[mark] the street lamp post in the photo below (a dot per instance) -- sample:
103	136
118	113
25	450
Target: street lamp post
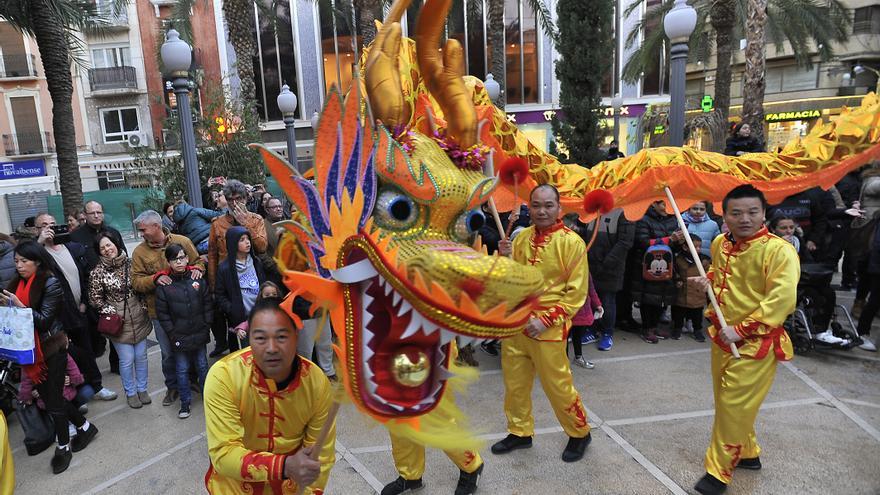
616	103
678	24
287	105
176	56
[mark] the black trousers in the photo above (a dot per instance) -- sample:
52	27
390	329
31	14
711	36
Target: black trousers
219	330
650	316
680	314
577	332
52	393
869	311
80	349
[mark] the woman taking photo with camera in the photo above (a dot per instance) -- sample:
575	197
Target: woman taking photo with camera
35	286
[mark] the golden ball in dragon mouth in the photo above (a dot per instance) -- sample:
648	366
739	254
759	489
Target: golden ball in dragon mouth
407	372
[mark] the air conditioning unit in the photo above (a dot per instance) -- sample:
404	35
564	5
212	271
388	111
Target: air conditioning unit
139	139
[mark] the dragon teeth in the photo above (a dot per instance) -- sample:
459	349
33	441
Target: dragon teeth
387	286
396	298
404	308
466	341
415	323
446	336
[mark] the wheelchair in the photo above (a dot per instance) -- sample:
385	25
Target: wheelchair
815	322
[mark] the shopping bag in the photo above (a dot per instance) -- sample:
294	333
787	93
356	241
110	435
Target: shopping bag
17	334
39	430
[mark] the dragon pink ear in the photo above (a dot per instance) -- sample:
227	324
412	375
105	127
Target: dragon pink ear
598	201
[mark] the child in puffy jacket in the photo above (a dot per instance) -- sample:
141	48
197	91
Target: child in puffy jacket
589	312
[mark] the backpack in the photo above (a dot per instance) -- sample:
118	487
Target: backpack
658	262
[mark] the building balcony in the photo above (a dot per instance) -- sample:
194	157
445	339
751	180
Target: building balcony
113	80
18	66
111	18
28	143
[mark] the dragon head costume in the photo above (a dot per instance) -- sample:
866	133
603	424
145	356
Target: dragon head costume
387	225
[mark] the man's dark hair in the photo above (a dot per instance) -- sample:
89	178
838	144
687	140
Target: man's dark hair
173	251
546	186
269	304
744	191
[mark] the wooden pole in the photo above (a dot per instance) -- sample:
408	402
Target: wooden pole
696	255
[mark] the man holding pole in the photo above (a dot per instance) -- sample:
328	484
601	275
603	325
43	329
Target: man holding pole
754	277
269	414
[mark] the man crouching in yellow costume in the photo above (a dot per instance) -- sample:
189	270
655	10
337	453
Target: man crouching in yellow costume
561	256
754	275
264	410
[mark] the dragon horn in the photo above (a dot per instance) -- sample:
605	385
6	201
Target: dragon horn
382	76
443	75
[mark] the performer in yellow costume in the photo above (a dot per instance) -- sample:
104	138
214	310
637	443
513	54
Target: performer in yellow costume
754	275
561	256
7	469
409	459
264	410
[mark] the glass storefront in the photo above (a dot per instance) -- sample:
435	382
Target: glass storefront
781	133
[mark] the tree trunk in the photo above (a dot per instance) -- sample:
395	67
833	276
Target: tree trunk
723	18
753	89
54	51
239	16
367	10
495	13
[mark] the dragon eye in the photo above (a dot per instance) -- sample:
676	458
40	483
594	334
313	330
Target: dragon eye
396	210
468	223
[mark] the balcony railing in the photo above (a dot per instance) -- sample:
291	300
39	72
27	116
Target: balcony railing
18	65
113	78
111	16
28	143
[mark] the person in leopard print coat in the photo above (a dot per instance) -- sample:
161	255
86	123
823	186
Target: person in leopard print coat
110	292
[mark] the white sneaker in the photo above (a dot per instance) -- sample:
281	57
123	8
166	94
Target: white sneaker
828	337
71	430
583	363
105	394
867	344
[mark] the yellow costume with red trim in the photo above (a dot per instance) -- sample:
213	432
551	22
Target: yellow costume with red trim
755	281
560	255
409	458
252	426
7	468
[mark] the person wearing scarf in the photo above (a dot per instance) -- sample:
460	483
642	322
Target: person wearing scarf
110	293
35	286
698	222
238	283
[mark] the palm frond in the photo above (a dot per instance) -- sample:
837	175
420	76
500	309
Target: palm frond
545	18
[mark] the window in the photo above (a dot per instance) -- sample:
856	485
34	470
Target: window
796	78
111	179
656	78
117	56
866	20
336	44
119	123
275	60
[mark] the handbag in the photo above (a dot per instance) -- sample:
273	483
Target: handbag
38	427
17	334
111	325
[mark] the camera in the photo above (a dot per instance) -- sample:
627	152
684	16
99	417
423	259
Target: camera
62	234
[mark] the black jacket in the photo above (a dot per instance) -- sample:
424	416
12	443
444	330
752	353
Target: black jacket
185	311
46	298
7	263
608	254
809	210
649	227
744	144
227	291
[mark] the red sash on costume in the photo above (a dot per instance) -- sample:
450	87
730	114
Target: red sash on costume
768	339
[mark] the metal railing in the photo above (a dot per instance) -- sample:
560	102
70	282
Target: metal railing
113	78
28	143
18	65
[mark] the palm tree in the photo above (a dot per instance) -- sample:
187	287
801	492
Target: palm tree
754	83
54	24
809	27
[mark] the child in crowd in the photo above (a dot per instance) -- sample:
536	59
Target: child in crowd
268	290
185	311
591	311
27	391
238	284
690	299
787	228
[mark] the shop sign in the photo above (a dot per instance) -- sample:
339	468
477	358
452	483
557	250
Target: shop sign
801	115
22	169
545	116
707	103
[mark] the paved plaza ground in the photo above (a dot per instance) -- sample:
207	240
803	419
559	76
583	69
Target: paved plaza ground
650	407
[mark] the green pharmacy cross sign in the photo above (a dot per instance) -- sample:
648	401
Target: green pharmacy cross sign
707	103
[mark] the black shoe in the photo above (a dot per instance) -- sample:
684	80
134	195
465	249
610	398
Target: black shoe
170	397
576	447
753	463
490	347
218	351
510	443
698	336
83	438
61	460
401	485
467	482
710	485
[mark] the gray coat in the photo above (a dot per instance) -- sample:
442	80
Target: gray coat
7	263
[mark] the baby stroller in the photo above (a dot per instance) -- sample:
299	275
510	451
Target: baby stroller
814	323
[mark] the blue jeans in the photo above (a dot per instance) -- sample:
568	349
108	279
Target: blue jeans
182	360
133	366
609	303
168	367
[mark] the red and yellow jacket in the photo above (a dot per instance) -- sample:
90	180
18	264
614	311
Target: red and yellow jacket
252	426
755	281
561	256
